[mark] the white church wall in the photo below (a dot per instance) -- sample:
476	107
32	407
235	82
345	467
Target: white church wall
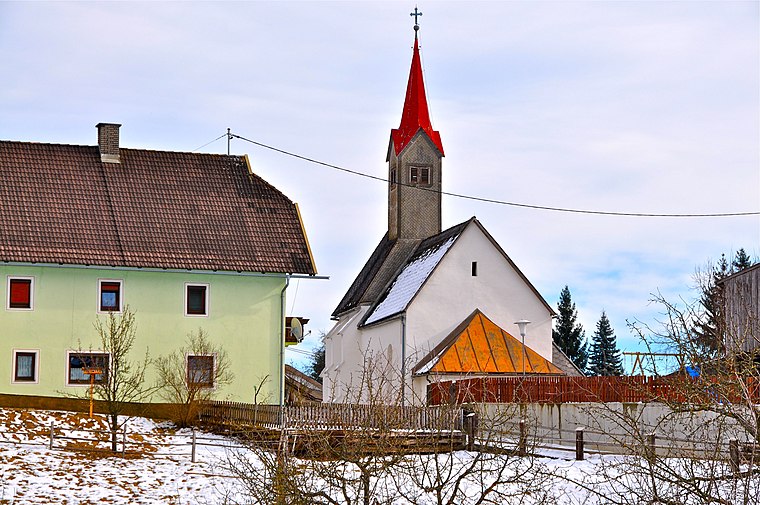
452	293
347	350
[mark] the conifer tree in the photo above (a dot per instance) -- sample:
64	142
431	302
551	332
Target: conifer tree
708	330
317	363
568	334
604	358
741	260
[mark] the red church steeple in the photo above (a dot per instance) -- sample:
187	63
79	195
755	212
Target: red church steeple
415	115
414	160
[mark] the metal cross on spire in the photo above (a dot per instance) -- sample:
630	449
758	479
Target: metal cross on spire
416	14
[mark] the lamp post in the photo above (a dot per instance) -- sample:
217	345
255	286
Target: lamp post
521	324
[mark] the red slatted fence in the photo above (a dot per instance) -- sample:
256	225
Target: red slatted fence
593	389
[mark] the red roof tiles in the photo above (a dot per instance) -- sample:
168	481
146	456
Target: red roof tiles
61	204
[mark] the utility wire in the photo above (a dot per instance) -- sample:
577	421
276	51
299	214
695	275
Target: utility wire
490	200
207	143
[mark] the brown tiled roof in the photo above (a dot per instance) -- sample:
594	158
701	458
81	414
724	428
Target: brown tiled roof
155	209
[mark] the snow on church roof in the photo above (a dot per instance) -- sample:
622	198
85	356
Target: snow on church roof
409	281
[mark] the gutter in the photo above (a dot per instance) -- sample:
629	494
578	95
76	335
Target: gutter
403	359
237	273
281	341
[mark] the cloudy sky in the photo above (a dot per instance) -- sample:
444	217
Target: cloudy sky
640	107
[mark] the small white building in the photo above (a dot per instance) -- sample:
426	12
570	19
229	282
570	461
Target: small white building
414	301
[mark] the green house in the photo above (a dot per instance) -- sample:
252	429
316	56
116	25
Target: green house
186	240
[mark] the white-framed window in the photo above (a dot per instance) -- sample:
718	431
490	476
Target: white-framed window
26	366
196	300
20	293
200	370
110	295
81	364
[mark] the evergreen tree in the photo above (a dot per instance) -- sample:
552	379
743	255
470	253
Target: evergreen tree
568	334
708	330
604	358
317	361
741	260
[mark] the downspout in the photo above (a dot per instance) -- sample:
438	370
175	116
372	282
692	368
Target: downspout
403	359
282	340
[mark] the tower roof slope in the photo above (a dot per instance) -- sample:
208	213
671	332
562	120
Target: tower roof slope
415	115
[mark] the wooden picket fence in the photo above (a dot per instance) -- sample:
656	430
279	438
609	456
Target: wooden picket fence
590	389
327	416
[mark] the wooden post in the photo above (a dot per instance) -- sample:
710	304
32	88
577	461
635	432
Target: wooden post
733	454
192	454
123	440
52	435
579	443
651	447
469	423
522	444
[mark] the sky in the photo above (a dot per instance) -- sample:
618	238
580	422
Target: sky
636	107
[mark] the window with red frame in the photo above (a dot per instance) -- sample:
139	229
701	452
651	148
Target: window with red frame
110	296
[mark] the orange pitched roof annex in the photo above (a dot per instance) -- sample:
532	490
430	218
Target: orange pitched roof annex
479	346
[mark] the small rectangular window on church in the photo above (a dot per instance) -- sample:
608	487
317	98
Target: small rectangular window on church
474	268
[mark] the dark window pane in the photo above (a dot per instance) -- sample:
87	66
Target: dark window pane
200	370
196	299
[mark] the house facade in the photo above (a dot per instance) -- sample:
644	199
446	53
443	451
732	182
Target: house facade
186	241
741	298
405	309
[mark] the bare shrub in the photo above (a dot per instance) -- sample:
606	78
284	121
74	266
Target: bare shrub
192	375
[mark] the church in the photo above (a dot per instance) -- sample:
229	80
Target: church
432	304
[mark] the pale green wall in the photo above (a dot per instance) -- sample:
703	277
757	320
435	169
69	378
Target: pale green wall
244	317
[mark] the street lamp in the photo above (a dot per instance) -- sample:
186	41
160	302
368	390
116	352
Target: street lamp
522	323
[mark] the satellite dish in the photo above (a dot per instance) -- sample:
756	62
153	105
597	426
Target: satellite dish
296	329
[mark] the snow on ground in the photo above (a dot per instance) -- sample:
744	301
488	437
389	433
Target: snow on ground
32	473
162	471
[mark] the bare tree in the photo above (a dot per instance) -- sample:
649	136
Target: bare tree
192	375
122	380
678	448
370	453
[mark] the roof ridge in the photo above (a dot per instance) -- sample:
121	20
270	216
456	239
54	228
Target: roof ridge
87	146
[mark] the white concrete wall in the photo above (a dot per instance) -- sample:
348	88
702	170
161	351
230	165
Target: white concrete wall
350	352
610	427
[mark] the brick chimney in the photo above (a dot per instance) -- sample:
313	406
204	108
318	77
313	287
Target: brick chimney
108	142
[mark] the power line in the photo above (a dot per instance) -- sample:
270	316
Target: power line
491	200
207	143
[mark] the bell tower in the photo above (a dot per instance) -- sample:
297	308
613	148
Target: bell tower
414	159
